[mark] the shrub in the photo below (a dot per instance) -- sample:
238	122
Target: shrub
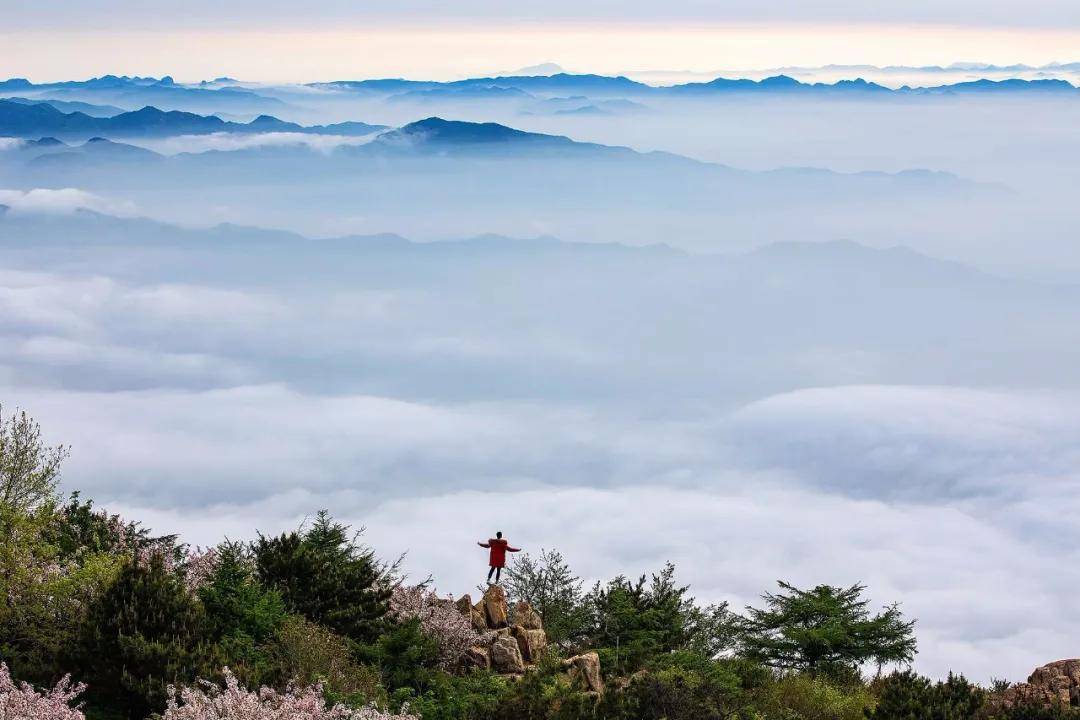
22	702
474	696
407	658
208	701
1029	711
545	695
905	695
304	653
806	697
439	618
676	693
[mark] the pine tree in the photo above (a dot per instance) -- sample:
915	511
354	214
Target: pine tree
907	696
825	629
637	621
145	633
326	576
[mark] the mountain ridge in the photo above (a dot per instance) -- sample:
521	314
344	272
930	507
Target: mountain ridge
18	119
599	85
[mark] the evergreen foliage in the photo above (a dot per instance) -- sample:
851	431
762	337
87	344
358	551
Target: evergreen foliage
323	574
145	633
907	696
826	629
633	621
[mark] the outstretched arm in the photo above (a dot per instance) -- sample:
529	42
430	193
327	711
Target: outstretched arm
510	549
483	545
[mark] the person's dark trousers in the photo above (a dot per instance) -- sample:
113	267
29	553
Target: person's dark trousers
497	571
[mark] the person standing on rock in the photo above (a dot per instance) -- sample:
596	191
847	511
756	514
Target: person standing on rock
497	556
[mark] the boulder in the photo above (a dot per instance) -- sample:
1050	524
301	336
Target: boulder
477	656
464	605
1056	683
506	656
526	617
584	670
495	608
532	642
479	619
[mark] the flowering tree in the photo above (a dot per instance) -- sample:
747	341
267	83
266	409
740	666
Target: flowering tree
439	618
21	702
198	567
233	702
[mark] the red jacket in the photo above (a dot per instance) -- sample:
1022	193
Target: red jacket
499	548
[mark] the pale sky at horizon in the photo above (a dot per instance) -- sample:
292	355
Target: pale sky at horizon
272	41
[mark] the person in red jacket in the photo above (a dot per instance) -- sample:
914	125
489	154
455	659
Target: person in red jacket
497	556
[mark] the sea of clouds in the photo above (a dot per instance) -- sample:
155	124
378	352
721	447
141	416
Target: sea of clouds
191	406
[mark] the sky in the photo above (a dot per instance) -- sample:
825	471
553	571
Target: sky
286	42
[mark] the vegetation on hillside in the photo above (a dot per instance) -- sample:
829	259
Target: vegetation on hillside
100	619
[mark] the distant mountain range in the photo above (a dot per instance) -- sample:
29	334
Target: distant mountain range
435	138
951	68
135	92
21	118
503	87
618	86
69	106
441	135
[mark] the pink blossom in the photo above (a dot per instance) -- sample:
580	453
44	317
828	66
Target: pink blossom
439	618
198	567
208	701
21	702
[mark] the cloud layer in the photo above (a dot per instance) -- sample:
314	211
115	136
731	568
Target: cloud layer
62	201
427	478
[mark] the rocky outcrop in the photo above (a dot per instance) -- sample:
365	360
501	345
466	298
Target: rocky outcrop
526	617
511	644
584	671
506	656
475	613
478	656
531	641
495	610
1056	683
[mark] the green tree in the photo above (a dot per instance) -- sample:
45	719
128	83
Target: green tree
323	574
77	529
242	615
29	473
234	600
907	696
31	610
407	657
145	633
635	622
553	591
825	630
477	695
